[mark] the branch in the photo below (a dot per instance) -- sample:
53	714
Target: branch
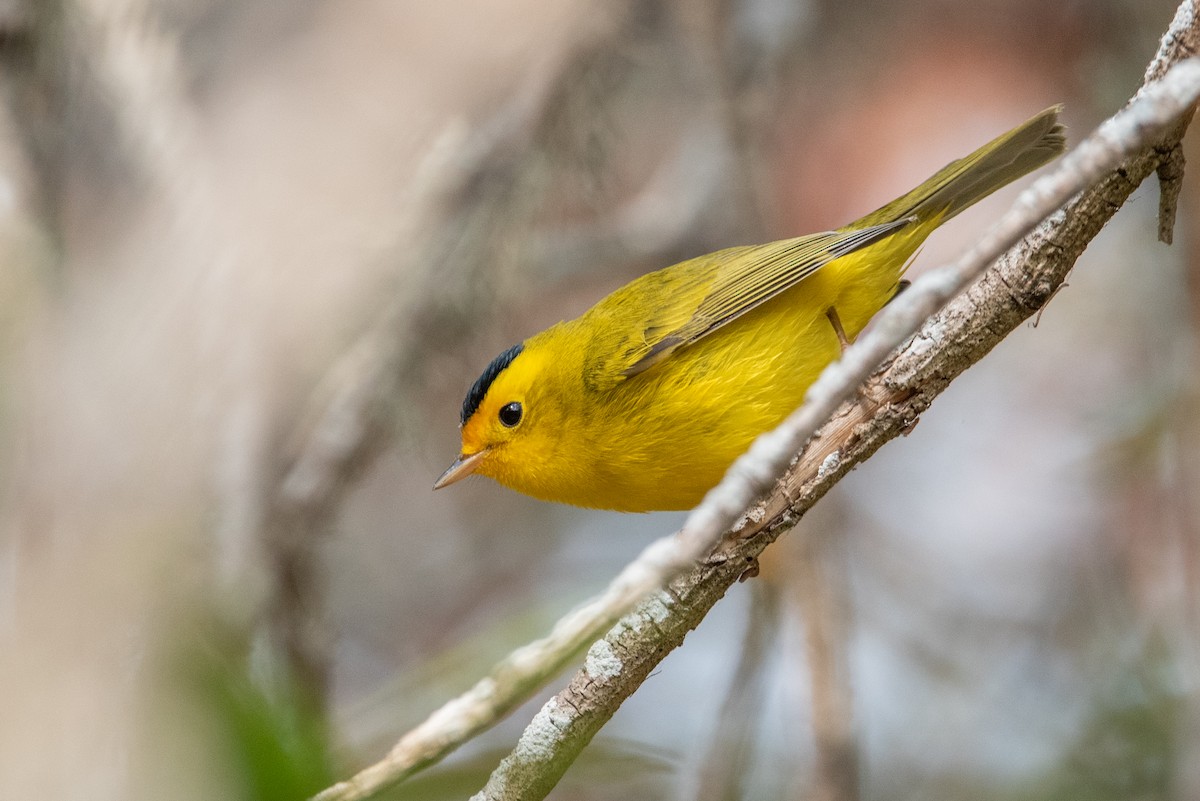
885	408
135	60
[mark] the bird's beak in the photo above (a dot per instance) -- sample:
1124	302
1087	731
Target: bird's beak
463	466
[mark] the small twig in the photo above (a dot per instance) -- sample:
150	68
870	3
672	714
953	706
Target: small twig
1037	318
1179	43
1170	183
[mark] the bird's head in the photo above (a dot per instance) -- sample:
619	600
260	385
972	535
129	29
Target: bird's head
506	421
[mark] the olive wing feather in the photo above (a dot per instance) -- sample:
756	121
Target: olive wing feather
709	292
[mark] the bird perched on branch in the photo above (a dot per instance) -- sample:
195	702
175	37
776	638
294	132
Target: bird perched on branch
645	400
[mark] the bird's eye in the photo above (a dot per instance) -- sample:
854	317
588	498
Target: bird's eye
510	415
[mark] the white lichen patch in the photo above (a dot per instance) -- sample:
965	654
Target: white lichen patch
654	610
932	334
936	329
540	739
1184	20
657	607
919	346
829	464
602	662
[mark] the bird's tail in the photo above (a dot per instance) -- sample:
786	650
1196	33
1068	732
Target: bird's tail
964	182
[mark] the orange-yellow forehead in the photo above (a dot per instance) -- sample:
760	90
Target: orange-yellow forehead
480	429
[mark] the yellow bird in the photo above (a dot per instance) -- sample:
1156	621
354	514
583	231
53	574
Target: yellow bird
645	400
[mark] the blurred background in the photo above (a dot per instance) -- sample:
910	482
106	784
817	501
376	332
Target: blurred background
253	253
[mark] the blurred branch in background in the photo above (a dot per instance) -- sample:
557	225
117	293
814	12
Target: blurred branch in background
722	770
819	586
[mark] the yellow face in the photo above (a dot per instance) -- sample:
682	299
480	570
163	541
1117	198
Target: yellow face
505	421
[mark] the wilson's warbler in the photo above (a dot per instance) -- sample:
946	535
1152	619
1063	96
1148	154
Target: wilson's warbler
645	400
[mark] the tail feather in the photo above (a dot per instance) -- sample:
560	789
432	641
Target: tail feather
968	180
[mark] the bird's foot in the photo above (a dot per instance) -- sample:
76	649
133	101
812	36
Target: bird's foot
836	322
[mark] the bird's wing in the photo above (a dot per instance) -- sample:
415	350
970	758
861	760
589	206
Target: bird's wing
727	284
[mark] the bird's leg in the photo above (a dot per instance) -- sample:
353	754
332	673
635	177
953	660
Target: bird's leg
836	322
